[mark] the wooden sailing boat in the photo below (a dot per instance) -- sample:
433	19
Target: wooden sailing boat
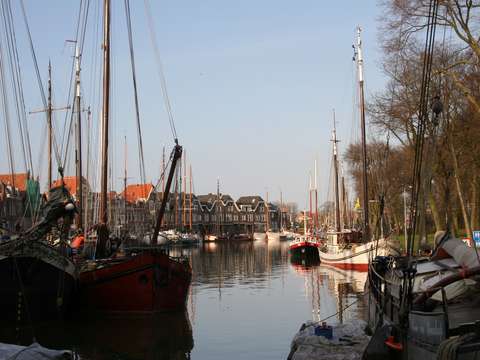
426	307
144	279
350	248
38	279
305	246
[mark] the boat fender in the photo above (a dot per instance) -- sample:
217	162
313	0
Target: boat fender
392	344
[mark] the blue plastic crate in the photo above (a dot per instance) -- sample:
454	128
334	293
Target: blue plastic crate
324	330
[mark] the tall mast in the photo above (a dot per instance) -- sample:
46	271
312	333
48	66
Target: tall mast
87	204
359	57
310	190
78	157
125	182
190	201
217	207
185	190
105	112
281	211
316	200
305	222
335	166
267	213
163	170
163	176
49	124
344	204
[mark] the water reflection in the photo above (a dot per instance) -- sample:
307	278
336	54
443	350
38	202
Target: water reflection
247	300
163	336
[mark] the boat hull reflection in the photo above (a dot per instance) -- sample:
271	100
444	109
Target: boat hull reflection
161	336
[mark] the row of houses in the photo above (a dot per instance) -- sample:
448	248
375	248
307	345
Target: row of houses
134	209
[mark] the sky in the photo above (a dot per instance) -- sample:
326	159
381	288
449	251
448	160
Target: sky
251	83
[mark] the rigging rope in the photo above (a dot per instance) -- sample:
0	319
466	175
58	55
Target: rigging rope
80	31
6	117
134	79
163	82
39	79
422	119
16	79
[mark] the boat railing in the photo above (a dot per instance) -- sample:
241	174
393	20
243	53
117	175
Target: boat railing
386	293
388	296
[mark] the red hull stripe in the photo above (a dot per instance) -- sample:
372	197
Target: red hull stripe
347	266
303	244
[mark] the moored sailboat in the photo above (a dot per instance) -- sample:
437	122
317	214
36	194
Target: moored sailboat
304	246
143	279
353	248
39	279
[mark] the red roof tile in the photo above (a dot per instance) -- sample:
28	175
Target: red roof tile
19	179
136	192
70	183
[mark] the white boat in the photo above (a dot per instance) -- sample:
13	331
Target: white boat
273	235
344	250
210	237
171	235
259	236
189	238
162	239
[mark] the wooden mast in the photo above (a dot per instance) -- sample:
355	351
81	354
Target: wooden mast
359	57
125	182
163	177
281	211
184	206
316	200
190	201
344	205
267	213
49	124
335	167
105	113
177	153
310	200
78	157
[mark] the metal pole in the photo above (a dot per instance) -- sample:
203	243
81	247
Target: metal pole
366	217
335	166
49	123
105	113
79	142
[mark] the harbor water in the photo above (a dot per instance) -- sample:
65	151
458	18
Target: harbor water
246	299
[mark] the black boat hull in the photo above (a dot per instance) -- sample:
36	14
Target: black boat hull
305	252
32	290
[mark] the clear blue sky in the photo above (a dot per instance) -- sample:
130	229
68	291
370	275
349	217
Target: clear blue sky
252	85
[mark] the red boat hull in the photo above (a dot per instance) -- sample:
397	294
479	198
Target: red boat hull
303	244
304	249
144	283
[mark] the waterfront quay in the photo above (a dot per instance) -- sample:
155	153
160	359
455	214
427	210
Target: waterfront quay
133	210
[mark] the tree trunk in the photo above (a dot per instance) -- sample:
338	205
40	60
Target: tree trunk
458	186
473	201
436	216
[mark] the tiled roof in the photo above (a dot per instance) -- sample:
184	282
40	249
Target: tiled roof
136	192
209	198
20	180
70	183
249	200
